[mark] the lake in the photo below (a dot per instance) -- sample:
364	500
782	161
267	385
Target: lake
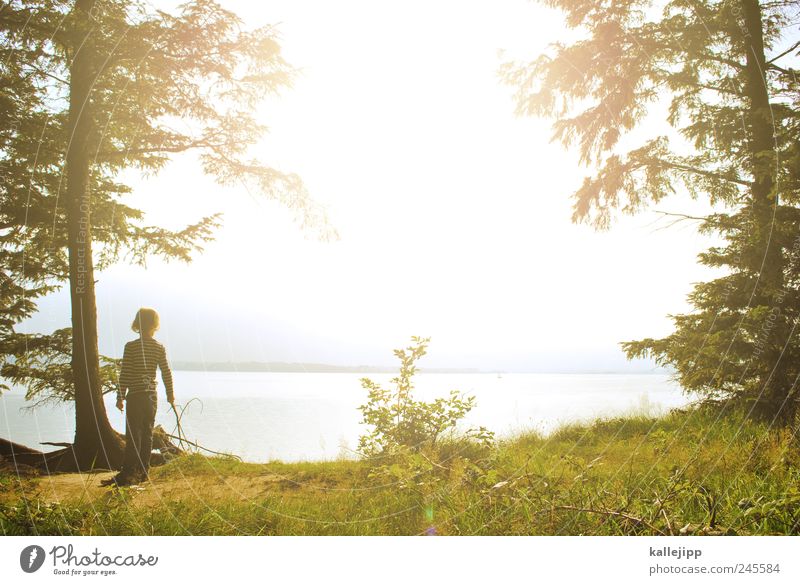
262	416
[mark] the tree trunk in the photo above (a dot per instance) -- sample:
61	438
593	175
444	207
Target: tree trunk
96	444
767	257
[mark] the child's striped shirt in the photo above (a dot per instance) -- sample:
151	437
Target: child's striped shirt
139	362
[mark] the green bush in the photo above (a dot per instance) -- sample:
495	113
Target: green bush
401	423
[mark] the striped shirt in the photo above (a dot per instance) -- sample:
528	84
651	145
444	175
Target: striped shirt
139	362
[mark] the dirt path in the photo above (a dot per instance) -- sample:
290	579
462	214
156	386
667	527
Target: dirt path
85	487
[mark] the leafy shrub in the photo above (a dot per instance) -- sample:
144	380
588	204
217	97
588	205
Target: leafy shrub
401	423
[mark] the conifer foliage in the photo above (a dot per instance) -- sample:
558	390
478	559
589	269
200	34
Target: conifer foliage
726	71
89	89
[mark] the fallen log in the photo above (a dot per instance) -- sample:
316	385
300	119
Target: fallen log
25	460
65	460
21	459
9	449
18	469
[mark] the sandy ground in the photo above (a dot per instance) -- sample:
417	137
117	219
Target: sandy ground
85	487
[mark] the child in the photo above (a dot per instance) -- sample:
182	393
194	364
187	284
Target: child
137	386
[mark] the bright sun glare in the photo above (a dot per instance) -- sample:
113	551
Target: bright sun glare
454	215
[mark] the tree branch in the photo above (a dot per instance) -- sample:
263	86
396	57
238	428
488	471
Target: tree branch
50	75
612	513
781	69
786	52
704	173
719	89
165	149
683	215
718	59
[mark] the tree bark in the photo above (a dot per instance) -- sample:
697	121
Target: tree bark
96	442
768	258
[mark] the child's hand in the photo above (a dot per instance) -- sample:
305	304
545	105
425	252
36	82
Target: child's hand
120	404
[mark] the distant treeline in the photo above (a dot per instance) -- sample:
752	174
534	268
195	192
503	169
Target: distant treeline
303	367
328	368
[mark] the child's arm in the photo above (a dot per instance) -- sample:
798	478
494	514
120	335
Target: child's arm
166	375
124	376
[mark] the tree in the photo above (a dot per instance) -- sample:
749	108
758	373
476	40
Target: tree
90	89
719	67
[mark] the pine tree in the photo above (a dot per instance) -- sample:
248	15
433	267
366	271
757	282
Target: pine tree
89	89
720	68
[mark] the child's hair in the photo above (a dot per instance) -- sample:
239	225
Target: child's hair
146	321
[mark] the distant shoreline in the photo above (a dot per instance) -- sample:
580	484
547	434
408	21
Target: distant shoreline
312	368
284	367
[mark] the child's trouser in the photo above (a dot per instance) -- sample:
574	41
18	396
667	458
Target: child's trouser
140	415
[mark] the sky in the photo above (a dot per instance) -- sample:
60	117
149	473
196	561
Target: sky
453	213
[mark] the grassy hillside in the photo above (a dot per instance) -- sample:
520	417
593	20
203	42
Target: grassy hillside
686	473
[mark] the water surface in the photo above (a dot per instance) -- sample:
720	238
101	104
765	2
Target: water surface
262	416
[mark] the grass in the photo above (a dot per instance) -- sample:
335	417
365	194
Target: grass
684	473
